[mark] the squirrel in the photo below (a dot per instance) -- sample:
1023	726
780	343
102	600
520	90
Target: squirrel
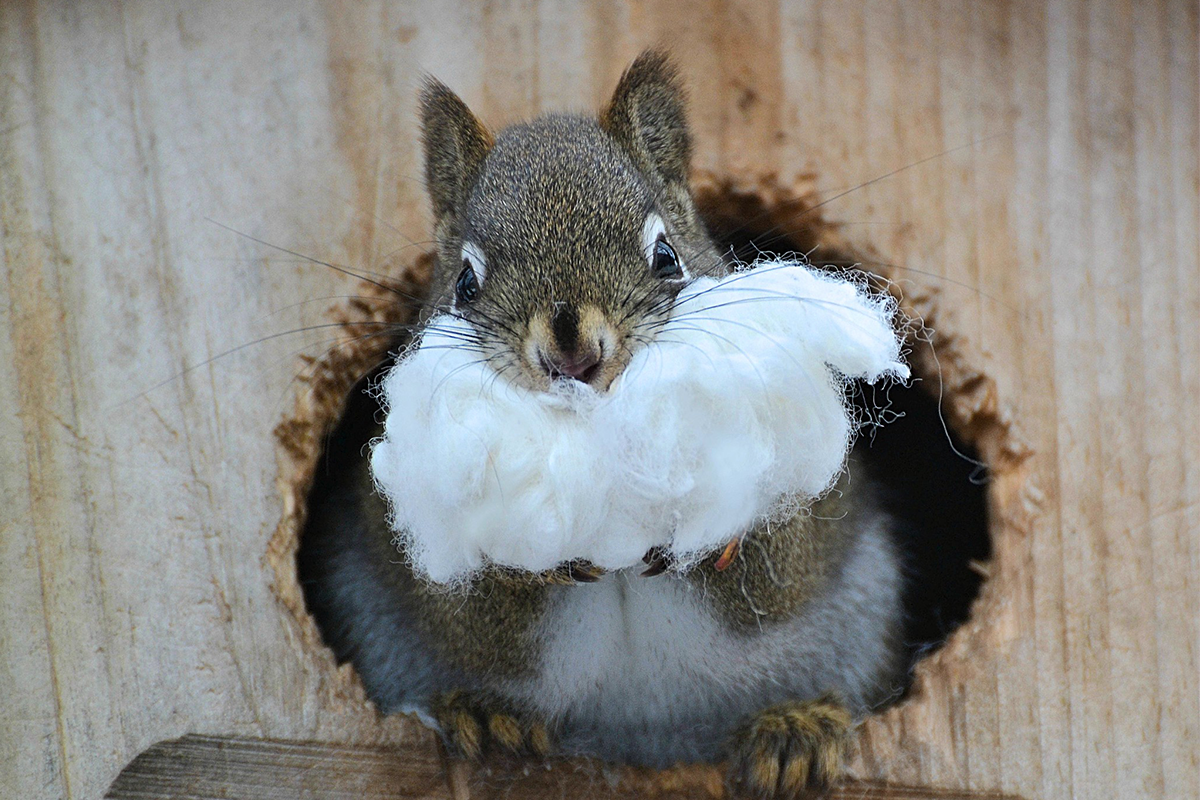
554	239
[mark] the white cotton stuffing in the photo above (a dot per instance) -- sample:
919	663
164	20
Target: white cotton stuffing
732	417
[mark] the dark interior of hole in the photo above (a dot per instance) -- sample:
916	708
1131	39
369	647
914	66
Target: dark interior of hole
932	480
939	500
937	495
335	508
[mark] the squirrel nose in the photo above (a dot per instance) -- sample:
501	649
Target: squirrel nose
582	366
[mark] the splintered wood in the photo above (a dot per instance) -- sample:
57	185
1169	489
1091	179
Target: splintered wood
1027	172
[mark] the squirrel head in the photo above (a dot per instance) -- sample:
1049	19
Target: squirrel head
564	241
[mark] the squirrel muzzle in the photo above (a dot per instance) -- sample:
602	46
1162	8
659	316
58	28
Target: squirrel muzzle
574	343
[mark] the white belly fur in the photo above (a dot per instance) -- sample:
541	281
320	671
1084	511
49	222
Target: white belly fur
642	669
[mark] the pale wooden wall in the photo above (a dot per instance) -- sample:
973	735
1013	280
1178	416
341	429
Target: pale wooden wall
135	598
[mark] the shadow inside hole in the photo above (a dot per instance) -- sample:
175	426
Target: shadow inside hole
939	500
342	506
936	495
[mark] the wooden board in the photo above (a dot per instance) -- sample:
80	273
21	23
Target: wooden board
1046	216
212	767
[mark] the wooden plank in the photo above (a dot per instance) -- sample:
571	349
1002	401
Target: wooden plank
215	768
210	767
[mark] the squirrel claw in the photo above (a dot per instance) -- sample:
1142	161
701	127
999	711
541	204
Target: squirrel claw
459	724
584	572
728	555
657	567
573	572
658	559
792	747
474	723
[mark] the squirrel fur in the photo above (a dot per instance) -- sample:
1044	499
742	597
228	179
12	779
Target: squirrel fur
766	662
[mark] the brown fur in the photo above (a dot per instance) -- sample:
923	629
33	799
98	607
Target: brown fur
779	568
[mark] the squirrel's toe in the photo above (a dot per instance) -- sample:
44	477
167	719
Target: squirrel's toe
457	716
506	731
539	739
473	723
789	748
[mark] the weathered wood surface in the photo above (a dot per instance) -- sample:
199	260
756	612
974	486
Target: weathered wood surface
1057	215
212	768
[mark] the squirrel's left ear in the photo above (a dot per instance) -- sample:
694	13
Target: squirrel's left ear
647	115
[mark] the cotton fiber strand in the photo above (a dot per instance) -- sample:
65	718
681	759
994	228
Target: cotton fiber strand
734	416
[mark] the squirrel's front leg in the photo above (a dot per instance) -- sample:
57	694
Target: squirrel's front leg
489	633
475	722
783	750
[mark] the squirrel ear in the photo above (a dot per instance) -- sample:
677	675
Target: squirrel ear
456	143
647	115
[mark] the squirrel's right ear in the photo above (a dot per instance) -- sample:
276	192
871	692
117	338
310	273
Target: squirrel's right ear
647	115
456	143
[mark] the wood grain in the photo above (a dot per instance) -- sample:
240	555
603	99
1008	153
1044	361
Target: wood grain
216	767
204	767
1040	205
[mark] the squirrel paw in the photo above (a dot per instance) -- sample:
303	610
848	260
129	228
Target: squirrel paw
472	723
786	749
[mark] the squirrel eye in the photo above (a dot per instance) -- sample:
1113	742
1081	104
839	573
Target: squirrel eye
665	263
466	288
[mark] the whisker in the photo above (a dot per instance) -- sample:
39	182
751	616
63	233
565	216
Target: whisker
191	368
923	273
839	194
307	374
737	277
737	347
394	290
364	298
355	206
454	372
768	296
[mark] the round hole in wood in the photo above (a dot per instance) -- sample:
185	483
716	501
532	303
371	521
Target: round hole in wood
929	454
